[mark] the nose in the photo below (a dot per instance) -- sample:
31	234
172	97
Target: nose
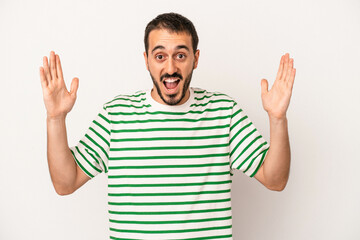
171	66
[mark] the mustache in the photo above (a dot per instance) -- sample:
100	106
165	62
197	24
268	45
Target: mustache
174	75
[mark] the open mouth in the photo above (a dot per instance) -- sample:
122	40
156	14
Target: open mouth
171	83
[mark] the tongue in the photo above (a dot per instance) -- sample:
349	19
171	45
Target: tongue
171	85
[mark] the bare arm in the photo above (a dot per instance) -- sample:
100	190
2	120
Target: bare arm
66	176
274	173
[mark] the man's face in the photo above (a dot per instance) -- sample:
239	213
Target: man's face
170	61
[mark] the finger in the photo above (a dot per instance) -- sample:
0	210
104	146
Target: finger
58	67
286	65
281	67
46	69
53	65
74	86
289	70
43	80
264	86
292	78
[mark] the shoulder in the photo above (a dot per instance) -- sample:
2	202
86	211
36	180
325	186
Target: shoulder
136	99
205	96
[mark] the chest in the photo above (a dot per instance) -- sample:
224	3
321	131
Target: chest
160	146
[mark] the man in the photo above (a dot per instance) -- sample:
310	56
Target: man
169	152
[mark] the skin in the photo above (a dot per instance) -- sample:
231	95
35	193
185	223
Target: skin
177	56
65	173
170	53
274	173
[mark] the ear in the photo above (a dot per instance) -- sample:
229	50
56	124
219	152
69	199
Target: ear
146	61
197	54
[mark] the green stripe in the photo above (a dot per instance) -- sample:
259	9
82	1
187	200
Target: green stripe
141	93
170	231
171	222
171	113
100	136
171	120
250	164
236	113
168	203
81	166
260	163
170	157
249	157
86	145
126	96
200	91
169	138
170	166
211	101
238	132
249	145
166	193
209	96
170	184
170	175
126	99
103	117
129	106
170	129
98	145
169	147
242	140
102	127
239	121
83	156
198	238
171	212
205	238
92	156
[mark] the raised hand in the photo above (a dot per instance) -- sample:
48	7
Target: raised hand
276	101
58	100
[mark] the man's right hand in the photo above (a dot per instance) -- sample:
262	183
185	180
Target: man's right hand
65	174
58	100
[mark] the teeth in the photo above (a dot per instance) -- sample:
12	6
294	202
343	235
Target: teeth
170	80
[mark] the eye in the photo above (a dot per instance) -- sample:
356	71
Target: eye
159	57
181	56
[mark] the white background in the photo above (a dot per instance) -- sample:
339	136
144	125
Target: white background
101	42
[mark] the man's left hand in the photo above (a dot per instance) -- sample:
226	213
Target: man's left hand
276	101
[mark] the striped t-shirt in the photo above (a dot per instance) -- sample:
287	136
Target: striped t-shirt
169	167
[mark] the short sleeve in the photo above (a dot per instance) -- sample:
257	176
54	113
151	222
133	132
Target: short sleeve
92	151
247	147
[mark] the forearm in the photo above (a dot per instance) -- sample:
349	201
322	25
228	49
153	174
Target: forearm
277	161
62	166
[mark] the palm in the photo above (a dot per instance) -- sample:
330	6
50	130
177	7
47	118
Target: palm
276	101
58	100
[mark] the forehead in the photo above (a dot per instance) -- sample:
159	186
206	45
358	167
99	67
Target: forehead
169	40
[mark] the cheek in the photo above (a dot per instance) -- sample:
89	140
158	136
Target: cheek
187	69
154	71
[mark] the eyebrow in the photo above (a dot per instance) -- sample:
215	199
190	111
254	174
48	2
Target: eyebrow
182	46
177	47
157	47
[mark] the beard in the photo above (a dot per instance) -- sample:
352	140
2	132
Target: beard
172	100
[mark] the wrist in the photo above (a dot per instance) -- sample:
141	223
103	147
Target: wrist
50	118
278	120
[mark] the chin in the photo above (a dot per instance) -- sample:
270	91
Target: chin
172	99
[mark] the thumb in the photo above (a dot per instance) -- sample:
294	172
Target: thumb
264	86
74	86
